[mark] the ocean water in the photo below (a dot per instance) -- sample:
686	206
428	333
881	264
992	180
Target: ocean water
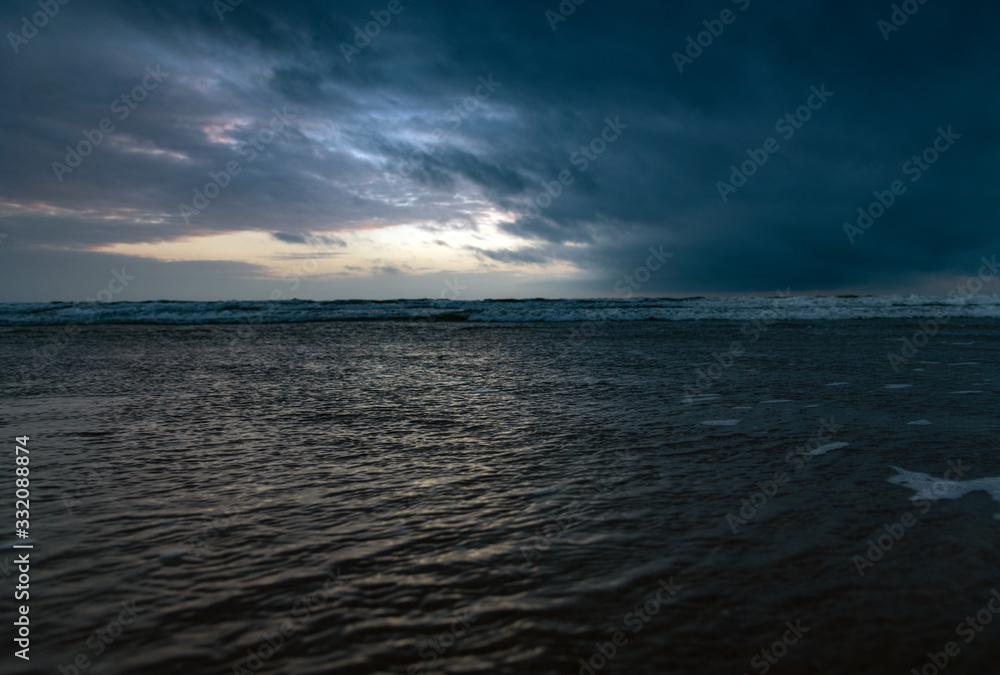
228	494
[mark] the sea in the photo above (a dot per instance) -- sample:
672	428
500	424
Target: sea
788	485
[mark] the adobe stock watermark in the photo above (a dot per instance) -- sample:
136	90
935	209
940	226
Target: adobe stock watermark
552	532
696	46
786	126
103	638
452	289
929	328
100	468
38	20
753	330
640	275
96	476
42	356
581	159
892	533
456	117
119	282
223	7
322	244
220	180
566	9
363	38
796	458
213	529
969	629
301	611
634	621
898	18
769	656
915	169
122	107
434	648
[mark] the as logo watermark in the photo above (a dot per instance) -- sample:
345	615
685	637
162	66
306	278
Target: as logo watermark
38	20
898	18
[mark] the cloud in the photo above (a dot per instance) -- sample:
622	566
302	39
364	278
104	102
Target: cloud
316	240
523	256
289	238
345	163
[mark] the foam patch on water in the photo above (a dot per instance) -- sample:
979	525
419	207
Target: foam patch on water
484	390
919	422
931	488
721	423
823	449
701	398
837	384
172	557
897	386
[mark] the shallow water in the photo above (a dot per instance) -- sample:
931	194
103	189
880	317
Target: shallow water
537	481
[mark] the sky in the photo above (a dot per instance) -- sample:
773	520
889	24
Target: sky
254	149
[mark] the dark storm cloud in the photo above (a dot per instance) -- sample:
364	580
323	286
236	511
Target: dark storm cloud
405	133
289	238
319	241
531	256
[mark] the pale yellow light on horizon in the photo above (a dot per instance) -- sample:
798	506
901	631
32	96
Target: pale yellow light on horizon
411	249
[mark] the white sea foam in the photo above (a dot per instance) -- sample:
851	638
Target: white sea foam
930	488
701	398
796	308
823	449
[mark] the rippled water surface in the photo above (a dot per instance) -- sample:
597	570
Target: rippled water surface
482	498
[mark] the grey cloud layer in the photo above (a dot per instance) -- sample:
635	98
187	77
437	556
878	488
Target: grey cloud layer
342	162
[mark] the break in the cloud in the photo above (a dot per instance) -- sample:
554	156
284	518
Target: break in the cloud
493	141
